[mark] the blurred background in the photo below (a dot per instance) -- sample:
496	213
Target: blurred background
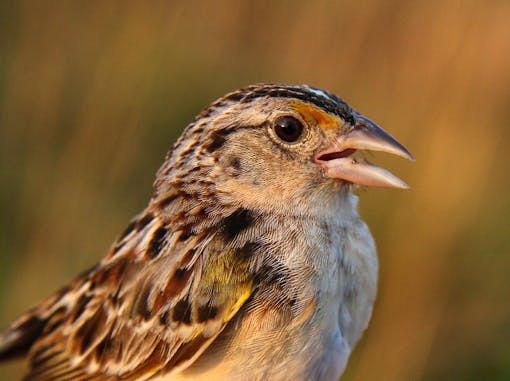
93	94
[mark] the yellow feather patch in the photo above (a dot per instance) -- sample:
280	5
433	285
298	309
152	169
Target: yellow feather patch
315	115
227	281
237	305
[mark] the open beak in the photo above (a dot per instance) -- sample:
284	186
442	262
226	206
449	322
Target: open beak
338	162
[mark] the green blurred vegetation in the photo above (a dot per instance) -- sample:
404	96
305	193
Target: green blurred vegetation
92	94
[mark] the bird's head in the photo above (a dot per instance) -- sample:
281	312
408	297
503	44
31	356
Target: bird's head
288	148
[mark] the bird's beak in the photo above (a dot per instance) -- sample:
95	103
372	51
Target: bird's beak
364	135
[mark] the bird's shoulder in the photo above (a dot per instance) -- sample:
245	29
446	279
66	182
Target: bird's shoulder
153	305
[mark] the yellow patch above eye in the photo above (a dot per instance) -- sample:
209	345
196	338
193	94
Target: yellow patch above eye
312	114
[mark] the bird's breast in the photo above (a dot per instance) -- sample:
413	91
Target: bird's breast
316	284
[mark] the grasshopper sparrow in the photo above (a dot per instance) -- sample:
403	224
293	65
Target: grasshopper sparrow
250	262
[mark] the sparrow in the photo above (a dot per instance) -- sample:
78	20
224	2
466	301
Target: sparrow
250	262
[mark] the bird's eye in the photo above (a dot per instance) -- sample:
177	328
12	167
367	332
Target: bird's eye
288	128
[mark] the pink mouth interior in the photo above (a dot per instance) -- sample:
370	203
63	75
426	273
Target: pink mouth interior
336	155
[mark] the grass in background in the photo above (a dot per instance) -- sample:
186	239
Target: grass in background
92	94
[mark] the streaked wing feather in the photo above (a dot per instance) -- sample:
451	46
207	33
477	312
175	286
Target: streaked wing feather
144	310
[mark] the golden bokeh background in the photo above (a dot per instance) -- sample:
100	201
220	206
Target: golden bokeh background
92	95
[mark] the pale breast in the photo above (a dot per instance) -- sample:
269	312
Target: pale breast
306	318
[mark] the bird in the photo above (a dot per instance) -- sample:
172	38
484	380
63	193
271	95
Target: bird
250	262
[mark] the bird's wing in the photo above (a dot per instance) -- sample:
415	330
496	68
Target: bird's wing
152	306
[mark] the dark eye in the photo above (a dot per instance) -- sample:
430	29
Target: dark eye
288	128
